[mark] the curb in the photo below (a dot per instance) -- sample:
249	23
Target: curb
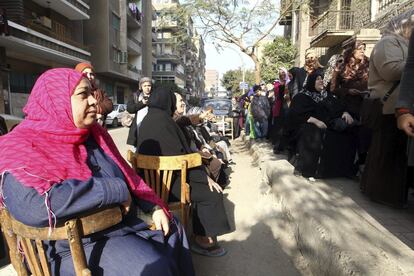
331	232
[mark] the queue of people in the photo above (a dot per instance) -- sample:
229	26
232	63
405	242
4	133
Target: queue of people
341	120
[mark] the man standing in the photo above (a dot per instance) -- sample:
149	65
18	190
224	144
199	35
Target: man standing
138	105
260	111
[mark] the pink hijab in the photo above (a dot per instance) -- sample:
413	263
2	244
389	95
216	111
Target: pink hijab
47	148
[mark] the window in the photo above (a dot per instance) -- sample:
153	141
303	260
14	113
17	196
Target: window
22	82
168	67
116	22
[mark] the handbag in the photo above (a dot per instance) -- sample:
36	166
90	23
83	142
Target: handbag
126	119
371	109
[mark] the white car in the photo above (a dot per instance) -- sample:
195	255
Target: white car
11	120
114	118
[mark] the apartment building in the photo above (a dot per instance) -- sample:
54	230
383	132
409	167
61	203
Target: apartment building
114	36
40	35
211	80
179	49
329	25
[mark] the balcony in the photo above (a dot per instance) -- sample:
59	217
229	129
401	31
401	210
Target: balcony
134	46
133	18
168	56
384	5
286	13
28	41
332	28
72	9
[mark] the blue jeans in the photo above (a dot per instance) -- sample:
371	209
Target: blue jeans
261	128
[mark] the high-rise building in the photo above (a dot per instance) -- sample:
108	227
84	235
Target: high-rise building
179	49
211	80
40	35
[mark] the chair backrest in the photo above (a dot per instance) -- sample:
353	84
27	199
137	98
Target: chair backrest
21	238
158	172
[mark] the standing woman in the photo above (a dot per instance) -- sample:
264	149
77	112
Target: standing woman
138	105
104	103
385	176
350	83
279	107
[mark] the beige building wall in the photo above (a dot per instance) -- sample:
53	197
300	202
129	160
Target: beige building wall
211	80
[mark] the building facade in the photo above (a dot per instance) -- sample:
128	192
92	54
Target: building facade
180	56
327	26
211	80
45	34
40	35
116	46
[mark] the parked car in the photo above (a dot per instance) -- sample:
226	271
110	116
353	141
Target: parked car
114	118
221	106
221	109
11	121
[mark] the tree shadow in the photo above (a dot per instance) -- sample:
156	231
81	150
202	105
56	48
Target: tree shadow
257	254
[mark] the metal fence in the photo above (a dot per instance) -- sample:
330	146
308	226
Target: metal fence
333	21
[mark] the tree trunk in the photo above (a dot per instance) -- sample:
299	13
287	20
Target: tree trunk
256	68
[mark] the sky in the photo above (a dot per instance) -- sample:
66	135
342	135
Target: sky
230	58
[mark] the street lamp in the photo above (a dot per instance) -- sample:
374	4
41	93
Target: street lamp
243	69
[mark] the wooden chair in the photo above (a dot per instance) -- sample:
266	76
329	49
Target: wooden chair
158	171
20	237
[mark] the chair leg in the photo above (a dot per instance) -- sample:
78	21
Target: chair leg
11	241
76	248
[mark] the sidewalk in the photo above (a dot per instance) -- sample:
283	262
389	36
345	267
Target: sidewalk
335	228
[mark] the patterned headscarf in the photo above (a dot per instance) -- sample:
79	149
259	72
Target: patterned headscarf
47	148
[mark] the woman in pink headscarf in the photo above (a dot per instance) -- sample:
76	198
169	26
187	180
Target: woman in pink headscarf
59	163
280	106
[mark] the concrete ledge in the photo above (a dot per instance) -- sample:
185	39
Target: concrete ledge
331	232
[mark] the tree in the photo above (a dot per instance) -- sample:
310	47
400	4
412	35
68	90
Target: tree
232	78
240	23
279	53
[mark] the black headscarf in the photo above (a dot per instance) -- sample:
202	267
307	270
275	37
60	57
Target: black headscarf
310	89
158	133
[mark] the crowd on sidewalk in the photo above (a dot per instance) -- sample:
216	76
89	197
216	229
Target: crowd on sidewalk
350	118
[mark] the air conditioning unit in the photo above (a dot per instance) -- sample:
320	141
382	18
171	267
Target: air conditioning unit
45	21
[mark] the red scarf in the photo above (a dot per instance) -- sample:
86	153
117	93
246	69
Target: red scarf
47	148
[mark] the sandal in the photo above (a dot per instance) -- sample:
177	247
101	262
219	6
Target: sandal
212	251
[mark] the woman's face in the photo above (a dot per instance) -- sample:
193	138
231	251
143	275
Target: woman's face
282	75
146	88
180	104
319	84
83	105
359	53
310	58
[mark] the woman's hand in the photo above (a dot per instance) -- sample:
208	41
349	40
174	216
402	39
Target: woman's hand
125	206
161	221
347	117
214	186
317	123
405	122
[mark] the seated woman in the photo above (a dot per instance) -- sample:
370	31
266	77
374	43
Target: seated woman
59	163
187	123
160	135
322	136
